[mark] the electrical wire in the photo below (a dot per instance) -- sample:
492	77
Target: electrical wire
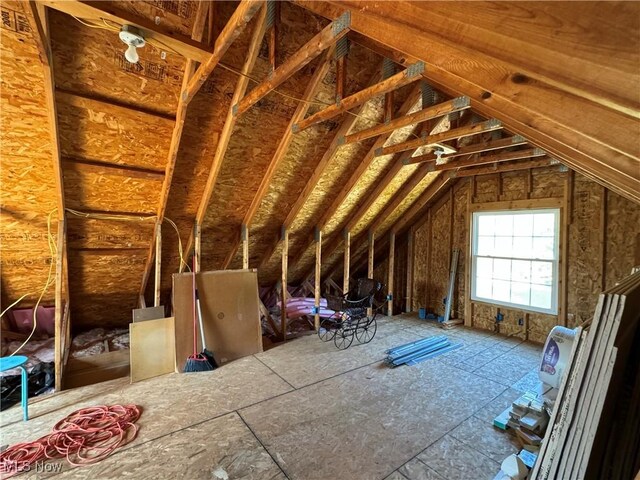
86	436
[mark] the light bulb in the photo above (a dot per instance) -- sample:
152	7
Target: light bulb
131	54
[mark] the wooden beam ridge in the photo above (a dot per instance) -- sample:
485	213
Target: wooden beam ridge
241	17
481	147
450	106
174	146
38	20
347	123
314	47
507	167
410	75
565	121
466	131
230	121
486	159
98	11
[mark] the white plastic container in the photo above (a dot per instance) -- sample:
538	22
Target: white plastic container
555	355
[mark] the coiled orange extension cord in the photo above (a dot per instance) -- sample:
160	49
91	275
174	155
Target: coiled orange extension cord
86	436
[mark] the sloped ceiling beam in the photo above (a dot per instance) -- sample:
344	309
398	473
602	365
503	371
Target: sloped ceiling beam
408	104
481	147
347	124
487	159
174	146
314	47
428	113
542	88
456	133
97	11
242	15
410	75
283	146
230	122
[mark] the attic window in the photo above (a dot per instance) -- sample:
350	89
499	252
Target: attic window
515	259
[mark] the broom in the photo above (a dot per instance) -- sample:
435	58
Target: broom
198	362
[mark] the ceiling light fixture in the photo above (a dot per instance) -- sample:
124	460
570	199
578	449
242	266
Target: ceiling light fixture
132	37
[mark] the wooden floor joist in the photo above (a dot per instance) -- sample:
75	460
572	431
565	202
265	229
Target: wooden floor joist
428	113
481	147
456	133
314	47
410	75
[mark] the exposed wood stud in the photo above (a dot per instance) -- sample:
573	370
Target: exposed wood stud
371	256
197	247
59	339
318	273
346	274
284	294
244	235
158	257
390	277
411	74
314	47
409	282
342	52
273	20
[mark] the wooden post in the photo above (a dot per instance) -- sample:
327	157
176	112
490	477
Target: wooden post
58	341
410	252
283	293
244	233
197	234
156	288
318	239
347	262
392	256
371	255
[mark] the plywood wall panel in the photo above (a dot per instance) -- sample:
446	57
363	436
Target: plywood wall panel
28	192
91	61
515	186
101	132
88	188
487	188
440	255
461	242
622	239
547	183
584	251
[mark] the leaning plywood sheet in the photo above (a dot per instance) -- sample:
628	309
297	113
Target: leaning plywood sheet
150	313
230	314
153	348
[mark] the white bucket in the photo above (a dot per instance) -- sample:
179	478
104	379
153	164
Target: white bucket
555	355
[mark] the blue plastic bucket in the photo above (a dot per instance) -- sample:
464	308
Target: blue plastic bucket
422	313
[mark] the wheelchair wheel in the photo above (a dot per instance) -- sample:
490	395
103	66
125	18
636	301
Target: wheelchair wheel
343	338
327	329
365	333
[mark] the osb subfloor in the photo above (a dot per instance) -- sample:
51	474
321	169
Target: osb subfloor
305	410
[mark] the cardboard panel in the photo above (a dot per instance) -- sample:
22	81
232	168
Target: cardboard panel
230	311
152	348
149	313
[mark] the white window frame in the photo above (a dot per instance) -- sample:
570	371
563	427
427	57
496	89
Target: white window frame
553	310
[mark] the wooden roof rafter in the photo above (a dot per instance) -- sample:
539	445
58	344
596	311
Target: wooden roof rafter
411	74
230	122
347	124
412	99
564	121
37	16
282	148
327	37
